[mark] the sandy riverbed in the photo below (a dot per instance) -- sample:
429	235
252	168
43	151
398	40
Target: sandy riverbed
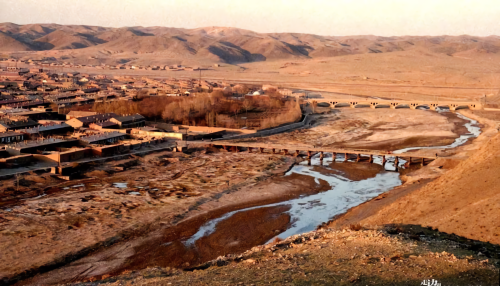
75	217
365	128
162	190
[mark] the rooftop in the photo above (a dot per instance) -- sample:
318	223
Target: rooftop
9	133
36	143
130	118
102	136
97	117
105	124
43	128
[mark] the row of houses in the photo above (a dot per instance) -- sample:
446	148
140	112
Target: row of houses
12	65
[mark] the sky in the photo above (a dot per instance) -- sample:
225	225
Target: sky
333	17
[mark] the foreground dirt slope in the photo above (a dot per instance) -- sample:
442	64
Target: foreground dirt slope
329	257
464	201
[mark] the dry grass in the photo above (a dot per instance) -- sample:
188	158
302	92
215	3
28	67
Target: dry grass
355	227
330	257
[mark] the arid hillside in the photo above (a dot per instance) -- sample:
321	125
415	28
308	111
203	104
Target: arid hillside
464	201
8	43
229	45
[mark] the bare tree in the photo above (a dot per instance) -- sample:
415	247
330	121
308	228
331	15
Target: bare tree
247	104
314	105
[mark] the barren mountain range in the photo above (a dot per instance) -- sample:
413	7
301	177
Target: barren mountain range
218	44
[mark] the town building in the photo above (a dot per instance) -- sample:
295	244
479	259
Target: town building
102	139
130	121
11	137
10	123
48	130
104	125
39	146
87	120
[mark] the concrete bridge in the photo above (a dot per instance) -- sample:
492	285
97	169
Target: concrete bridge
308	151
393	104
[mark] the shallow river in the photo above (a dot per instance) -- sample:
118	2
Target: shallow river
350	184
308	212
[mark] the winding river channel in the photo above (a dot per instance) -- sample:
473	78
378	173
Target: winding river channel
347	185
308	212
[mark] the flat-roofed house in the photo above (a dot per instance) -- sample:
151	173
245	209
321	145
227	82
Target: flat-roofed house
36	146
104	125
47	130
87	120
103	138
11	137
130	121
10	124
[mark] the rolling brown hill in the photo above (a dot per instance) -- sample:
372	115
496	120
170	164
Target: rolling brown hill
225	44
8	43
61	40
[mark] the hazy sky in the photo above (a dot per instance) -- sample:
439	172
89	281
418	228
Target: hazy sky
333	17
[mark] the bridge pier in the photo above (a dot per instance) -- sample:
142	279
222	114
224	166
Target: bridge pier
393	104
408	163
360	155
473	106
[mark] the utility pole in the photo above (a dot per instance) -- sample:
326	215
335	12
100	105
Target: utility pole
199	83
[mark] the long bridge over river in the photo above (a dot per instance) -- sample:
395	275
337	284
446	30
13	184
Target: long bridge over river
393	104
305	150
